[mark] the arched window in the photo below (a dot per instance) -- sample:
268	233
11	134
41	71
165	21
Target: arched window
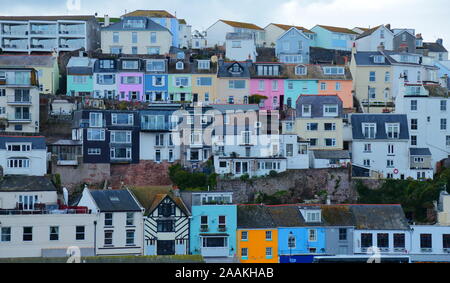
180	65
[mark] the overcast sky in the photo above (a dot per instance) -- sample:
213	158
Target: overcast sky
429	17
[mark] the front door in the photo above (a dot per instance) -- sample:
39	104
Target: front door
166	247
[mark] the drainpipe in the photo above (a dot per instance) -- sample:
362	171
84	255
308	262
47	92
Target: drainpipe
95	238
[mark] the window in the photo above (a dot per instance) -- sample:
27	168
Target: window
134	37
425	241
300	70
390	149
269	252
313	142
393	131
80	233
413	105
383	240
179	65
95	120
153	37
342	234
367	162
204	81
108	219
330	126
181	82
367	147
204	222
6	234
323	86
414	124
292	242
131	80
330	110
18	163
54	233
153	50
290	85
122	119
312	235
312	127
27	234
115	37
372	77
79	79
414	140
244	236
244	252
387	77
159	140
372	92
120	136
399	241
443	105
268	235
390	163
130	219
96	135
447	140
222	222
94	151
156	66
378	59
306	110
130	65
443	124
330	142
236	44
130	238
366	240
204	64
334	70
166	226
19	147
236	84
120	153
108	239
338	86
446	241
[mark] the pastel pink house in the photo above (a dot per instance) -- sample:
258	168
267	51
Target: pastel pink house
267	80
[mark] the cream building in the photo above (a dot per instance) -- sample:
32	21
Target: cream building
136	35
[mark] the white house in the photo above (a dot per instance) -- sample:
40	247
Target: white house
119	221
381	144
428	109
240	47
371	39
33	224
217	32
105	78
198	40
184	34
23	155
430	243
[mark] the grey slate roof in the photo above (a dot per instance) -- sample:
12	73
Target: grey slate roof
27	60
37	142
379	217
434	47
317	102
26	184
420	151
366	59
149	25
331	154
115	201
225	67
380	119
286	216
254	216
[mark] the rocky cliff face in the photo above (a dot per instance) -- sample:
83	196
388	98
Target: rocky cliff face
301	186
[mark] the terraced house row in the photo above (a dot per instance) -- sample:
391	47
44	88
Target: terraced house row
135	222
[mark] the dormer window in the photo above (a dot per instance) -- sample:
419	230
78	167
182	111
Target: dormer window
130	65
268	70
306	110
333	70
378	59
106	64
236	69
179	65
134	24
300	70
393	130
204	64
330	110
312	215
156	66
369	130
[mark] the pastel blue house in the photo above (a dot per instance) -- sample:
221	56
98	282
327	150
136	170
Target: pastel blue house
334	37
156	86
292	47
299	81
213	225
301	233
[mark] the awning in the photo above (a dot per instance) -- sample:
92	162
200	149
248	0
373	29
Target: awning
215	235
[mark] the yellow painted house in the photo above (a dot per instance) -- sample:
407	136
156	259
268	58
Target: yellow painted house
204	81
257	236
45	65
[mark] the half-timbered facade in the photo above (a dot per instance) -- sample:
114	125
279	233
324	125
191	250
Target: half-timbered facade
166	227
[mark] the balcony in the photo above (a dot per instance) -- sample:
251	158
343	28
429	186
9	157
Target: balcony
72	30
19	100
157	127
19	118
204	228
44	209
222	228
15	30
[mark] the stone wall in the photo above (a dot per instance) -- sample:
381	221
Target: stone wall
146	173
301	184
72	176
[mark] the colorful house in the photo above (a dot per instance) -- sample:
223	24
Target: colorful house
156	84
267	79
213	225
257	235
131	79
318	80
274	31
204	81
293	47
180	81
105	78
80	72
233	82
334	37
301	233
